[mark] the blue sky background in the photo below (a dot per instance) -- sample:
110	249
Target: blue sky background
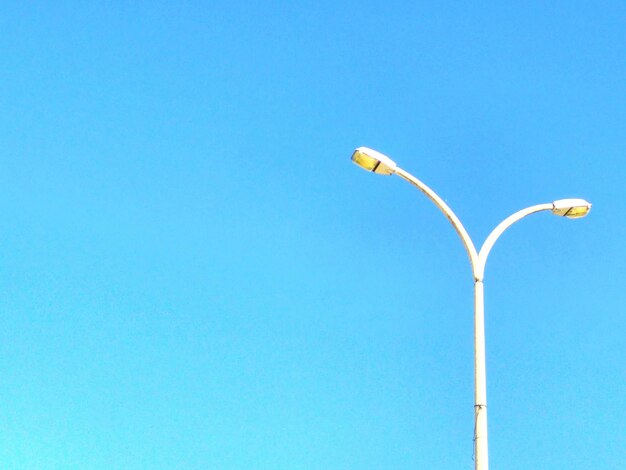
194	275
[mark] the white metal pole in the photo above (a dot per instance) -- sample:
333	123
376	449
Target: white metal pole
478	261
481	461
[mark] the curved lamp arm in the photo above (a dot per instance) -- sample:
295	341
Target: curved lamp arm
376	162
454	220
479	270
477	259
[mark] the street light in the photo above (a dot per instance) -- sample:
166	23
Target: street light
376	162
571	208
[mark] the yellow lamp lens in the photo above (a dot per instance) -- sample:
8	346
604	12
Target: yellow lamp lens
364	161
577	212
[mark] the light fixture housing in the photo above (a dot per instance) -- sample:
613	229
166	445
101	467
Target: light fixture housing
571	208
374	161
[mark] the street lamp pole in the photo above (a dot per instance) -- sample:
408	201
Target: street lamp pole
376	162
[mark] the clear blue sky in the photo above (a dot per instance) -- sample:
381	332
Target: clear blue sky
194	276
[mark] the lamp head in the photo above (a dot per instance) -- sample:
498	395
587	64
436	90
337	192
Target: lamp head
571	208
374	161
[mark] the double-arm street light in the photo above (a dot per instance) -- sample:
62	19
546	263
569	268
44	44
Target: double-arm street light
376	162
